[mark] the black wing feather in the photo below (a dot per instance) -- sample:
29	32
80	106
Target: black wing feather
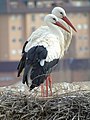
21	64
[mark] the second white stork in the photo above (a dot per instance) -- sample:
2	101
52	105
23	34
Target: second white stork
43	53
61	14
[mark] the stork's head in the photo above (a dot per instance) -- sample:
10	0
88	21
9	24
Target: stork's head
60	13
52	19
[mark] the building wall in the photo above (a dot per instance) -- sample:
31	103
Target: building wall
4	44
16	35
82	37
16	28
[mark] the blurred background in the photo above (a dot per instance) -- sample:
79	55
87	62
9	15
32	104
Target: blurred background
19	18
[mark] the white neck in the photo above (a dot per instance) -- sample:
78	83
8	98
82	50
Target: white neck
55	30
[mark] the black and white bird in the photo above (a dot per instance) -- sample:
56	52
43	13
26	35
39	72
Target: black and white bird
61	14
43	53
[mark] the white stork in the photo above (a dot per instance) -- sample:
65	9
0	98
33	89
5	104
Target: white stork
43	53
61	14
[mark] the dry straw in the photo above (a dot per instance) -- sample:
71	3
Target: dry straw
71	106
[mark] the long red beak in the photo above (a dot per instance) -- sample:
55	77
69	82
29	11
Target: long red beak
69	23
60	25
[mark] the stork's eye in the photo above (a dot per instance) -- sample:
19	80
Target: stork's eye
61	13
54	19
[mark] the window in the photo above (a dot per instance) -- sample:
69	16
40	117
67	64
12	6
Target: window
13	17
82	26
14	40
81	48
85	26
39	4
19	28
83	37
13	52
13	4
84	48
78	3
30	4
20	40
79	26
13	28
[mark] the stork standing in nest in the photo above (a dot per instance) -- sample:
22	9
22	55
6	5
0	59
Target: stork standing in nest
64	39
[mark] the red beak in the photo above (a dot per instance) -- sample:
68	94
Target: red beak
69	23
60	25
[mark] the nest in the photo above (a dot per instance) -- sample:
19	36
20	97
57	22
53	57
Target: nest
71	106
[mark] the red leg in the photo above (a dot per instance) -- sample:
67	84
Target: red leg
47	87
42	90
50	84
